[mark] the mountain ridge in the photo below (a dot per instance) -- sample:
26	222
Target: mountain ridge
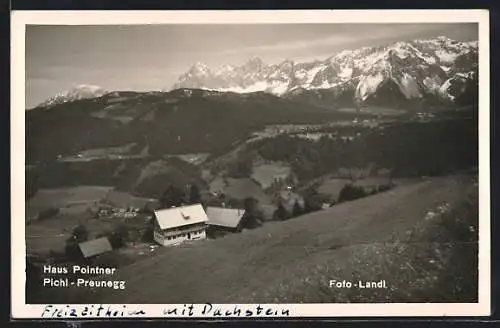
417	68
395	74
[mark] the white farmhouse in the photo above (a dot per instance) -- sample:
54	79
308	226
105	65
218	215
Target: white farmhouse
178	224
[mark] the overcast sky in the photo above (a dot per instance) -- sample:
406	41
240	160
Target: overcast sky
148	57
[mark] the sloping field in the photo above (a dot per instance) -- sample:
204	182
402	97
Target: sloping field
387	236
240	189
124	199
70	195
265	174
70	200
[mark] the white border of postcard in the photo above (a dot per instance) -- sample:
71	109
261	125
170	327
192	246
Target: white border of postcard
22	18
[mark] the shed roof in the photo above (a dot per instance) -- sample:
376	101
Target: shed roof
180	216
225	217
95	247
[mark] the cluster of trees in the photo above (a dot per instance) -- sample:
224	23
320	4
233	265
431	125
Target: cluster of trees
79	235
175	196
313	201
149	231
253	216
352	192
118	237
282	214
242	167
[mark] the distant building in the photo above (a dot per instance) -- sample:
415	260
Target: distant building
178	224
95	247
222	220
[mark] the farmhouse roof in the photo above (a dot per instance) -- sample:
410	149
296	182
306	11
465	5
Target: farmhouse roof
225	217
95	247
180	216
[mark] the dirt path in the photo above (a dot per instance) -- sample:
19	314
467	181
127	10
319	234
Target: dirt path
293	261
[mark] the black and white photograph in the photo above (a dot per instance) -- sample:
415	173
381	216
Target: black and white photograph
252	163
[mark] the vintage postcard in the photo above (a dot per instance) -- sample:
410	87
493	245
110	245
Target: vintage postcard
238	164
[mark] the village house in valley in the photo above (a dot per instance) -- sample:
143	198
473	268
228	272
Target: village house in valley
178	224
222	220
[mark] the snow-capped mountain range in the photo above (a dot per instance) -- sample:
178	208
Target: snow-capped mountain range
417	68
82	91
440	67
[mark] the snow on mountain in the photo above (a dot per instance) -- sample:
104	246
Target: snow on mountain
457	85
432	83
226	69
409	87
406	70
368	85
444	90
415	68
76	93
446	57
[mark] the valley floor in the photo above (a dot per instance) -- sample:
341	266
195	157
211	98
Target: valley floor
420	238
